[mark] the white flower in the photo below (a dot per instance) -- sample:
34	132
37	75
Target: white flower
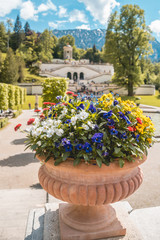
57	123
83	115
72	111
45	128
39	143
85	126
90	124
59	132
73	120
37	132
50	133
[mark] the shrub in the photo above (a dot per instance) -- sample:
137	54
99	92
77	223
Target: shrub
11	97
17	113
3	96
54	87
3	122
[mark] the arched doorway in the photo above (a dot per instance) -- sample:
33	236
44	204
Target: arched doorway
75	76
69	75
81	76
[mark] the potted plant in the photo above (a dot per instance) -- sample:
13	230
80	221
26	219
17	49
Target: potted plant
90	154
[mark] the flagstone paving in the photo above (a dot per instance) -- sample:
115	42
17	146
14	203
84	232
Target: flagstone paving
20	191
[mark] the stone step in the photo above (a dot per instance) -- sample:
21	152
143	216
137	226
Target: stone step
50	229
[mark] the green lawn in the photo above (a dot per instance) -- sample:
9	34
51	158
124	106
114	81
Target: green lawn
31	100
147	100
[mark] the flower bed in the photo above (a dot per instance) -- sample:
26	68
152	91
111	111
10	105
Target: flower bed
104	130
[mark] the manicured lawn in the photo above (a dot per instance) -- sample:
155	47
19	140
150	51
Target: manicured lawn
147	100
31	100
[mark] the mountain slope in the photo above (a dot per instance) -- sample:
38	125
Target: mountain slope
87	38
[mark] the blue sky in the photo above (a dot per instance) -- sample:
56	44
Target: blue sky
70	14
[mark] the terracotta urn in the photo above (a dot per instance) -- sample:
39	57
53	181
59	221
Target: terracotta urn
89	190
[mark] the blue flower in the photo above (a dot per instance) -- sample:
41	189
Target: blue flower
57	144
127	120
68	147
107	115
96	127
50	115
70	100
105	154
79	146
128	112
110	122
115	102
113	131
92	109
97	137
87	147
136	137
81	106
121	115
67	121
65	141
99	146
58	97
123	135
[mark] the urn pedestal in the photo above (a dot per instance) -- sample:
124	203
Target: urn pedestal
89	190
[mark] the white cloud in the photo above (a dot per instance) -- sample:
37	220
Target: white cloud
48	6
100	9
84	26
28	11
155	27
6	6
62	12
53	25
77	15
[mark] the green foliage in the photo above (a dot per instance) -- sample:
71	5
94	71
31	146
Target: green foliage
18	36
9	72
127	40
17	113
3	122
11	96
3	37
27	29
52	88
3	96
17	96
63	41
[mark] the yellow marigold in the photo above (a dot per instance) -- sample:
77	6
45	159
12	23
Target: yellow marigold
149	140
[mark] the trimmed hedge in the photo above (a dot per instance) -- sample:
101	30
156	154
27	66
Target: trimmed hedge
3	122
17	113
11	96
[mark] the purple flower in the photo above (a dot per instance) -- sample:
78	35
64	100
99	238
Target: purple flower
65	141
121	115
92	109
81	106
70	100
87	147
58	97
107	115
113	131
96	127
57	144
79	146
136	137
105	154
99	146
110	122
97	137
68	147
123	135
67	121
115	102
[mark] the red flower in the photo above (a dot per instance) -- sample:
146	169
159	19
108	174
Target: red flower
37	110
65	104
69	93
45	109
131	129
30	121
46	103
17	127
139	120
42	116
75	95
53	103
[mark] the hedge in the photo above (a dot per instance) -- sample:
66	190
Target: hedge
11	96
3	122
17	113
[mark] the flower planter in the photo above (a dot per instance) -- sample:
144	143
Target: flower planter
89	190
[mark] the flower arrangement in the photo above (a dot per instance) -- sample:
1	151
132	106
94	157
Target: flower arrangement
101	131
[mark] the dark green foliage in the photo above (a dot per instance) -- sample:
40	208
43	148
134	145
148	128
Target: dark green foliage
27	29
127	40
3	38
18	36
52	88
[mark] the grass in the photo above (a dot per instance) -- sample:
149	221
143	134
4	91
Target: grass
147	100
29	77
31	100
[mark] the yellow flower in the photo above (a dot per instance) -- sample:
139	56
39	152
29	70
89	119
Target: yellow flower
149	140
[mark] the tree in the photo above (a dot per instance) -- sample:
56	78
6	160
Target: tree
9	26
46	44
63	41
27	29
18	35
127	41
9	72
3	37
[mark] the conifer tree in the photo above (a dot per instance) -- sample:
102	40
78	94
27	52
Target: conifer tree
3	38
27	29
18	35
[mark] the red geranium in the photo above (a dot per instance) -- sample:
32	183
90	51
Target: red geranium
46	103
45	109
53	103
42	116
69	93
37	110
30	121
131	129
65	104
139	120
75	95
17	127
